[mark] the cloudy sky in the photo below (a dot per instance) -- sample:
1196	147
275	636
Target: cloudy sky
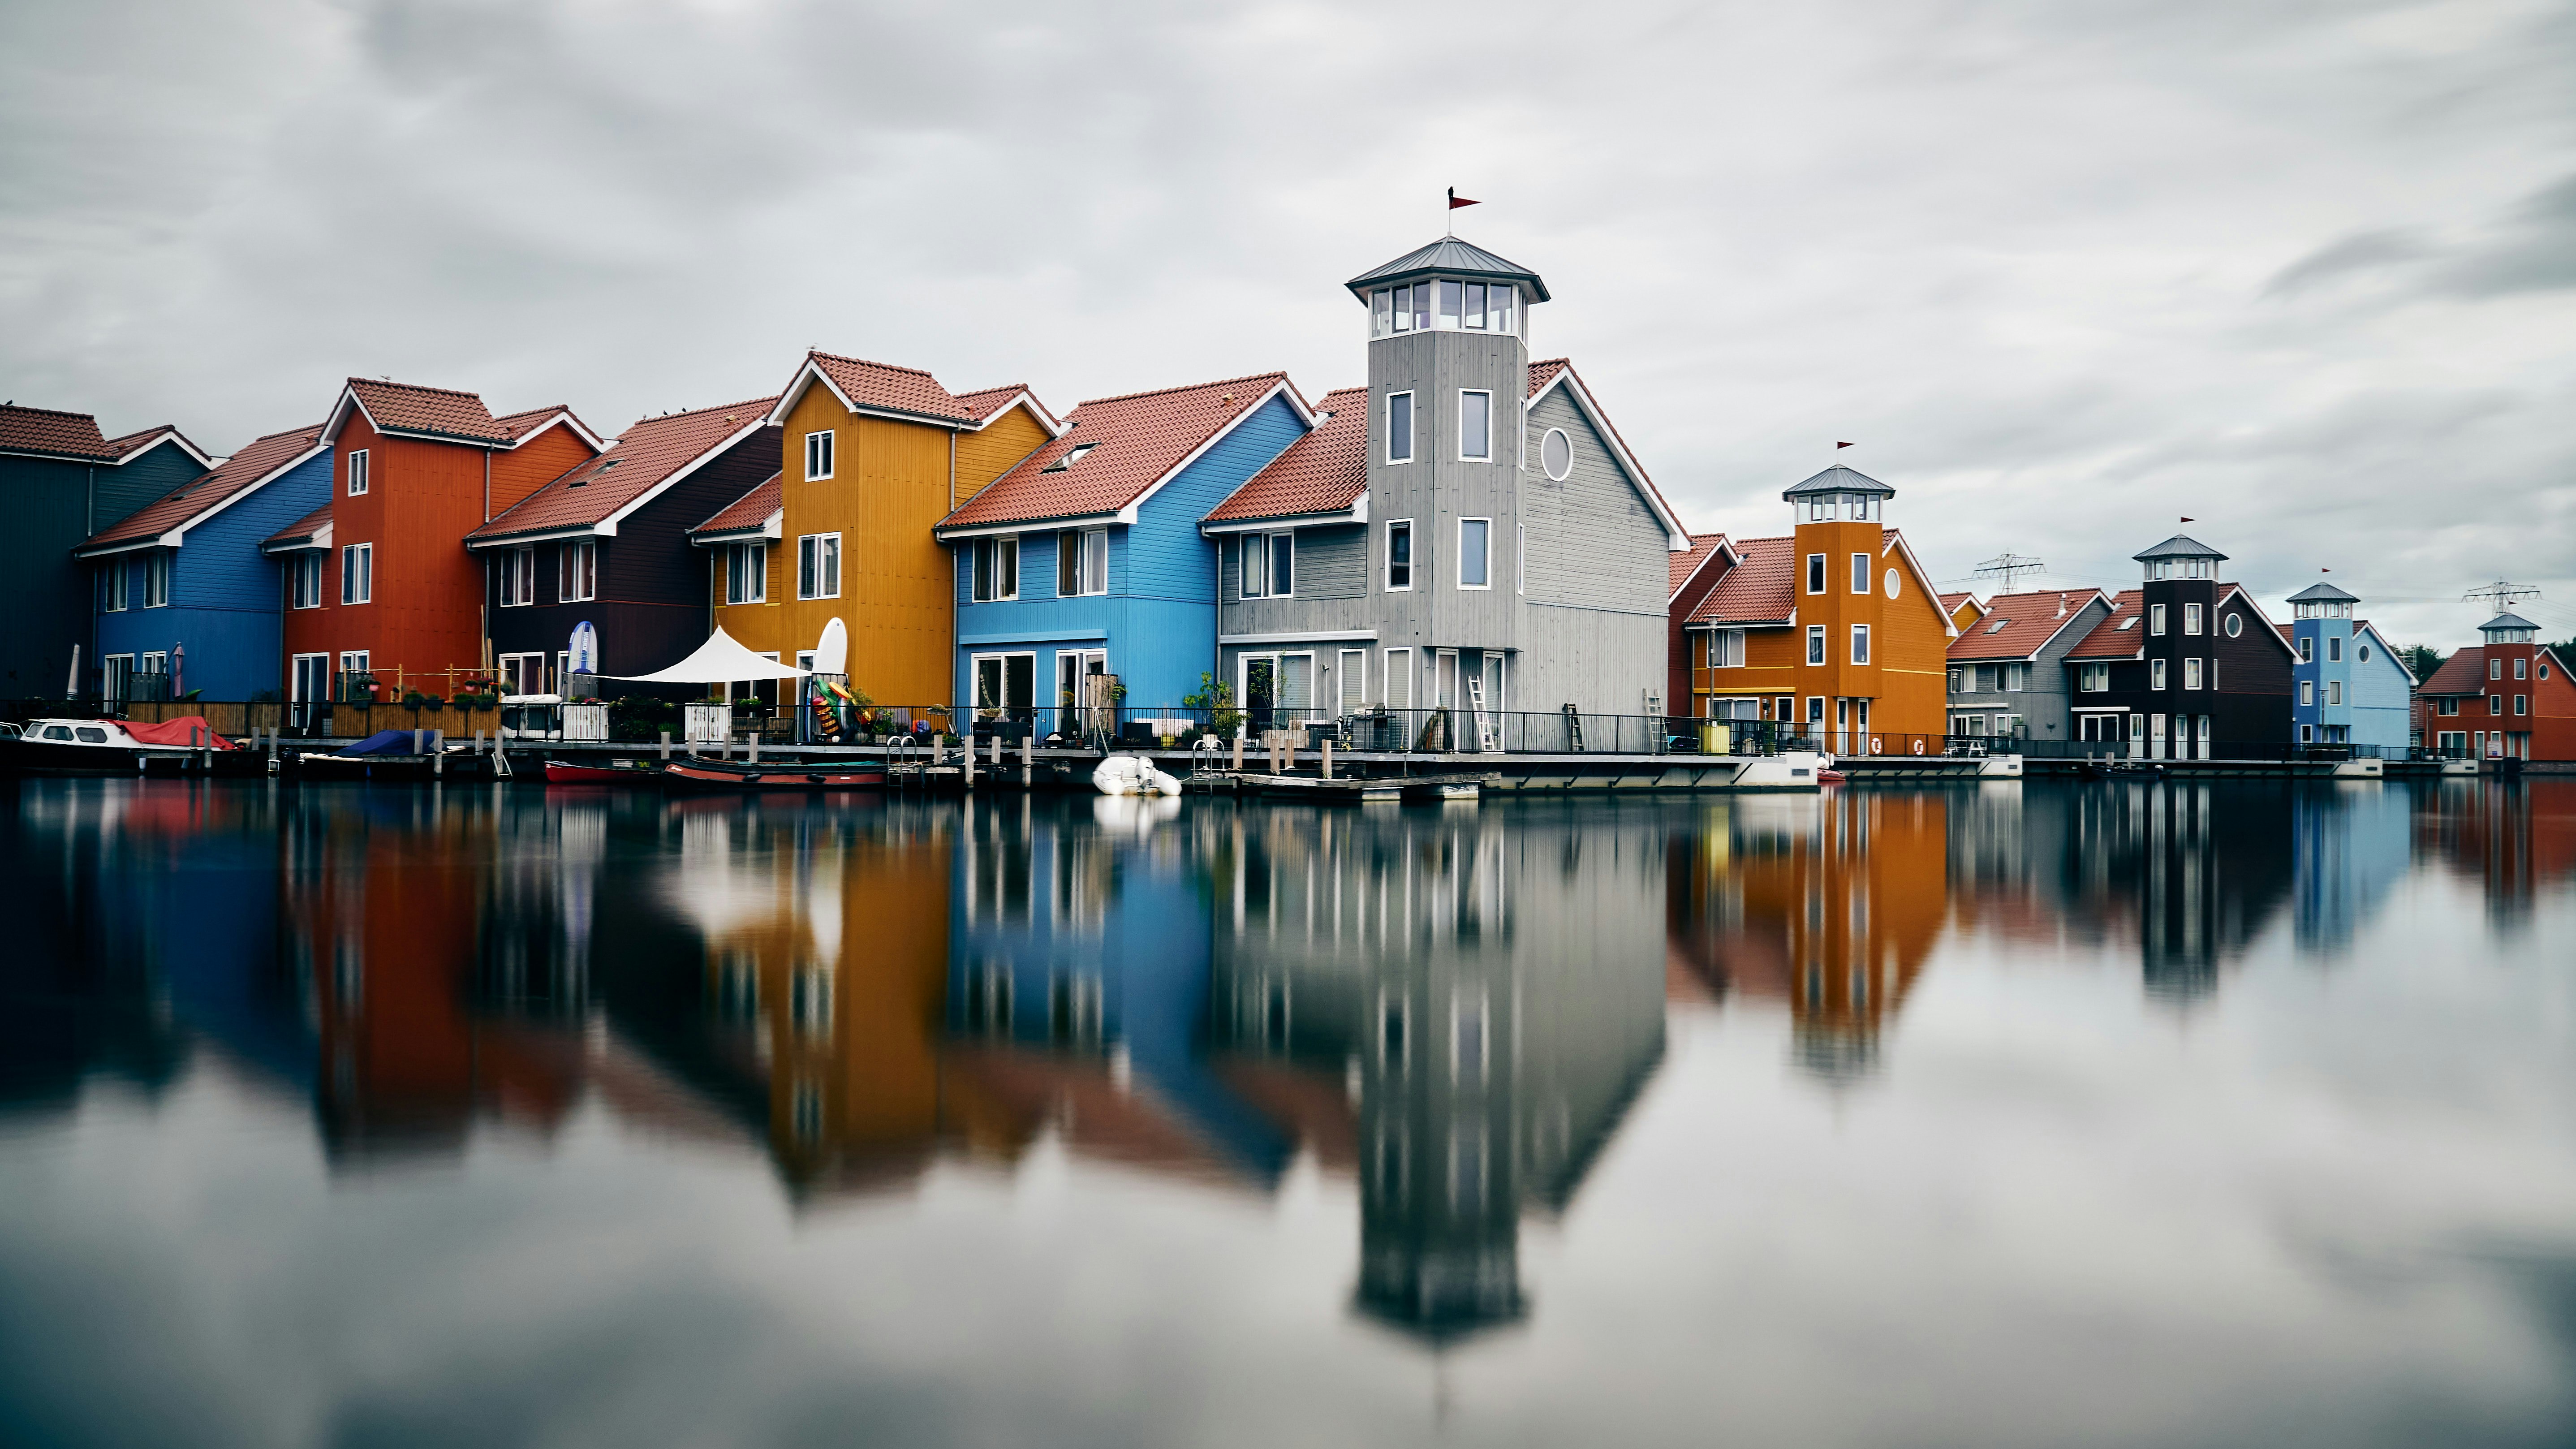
2066	273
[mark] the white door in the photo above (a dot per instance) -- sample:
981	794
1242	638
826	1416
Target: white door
1350	681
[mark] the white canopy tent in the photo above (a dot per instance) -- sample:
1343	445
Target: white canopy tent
720	660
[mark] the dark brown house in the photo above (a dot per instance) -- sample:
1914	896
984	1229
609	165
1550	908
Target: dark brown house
2187	667
607	544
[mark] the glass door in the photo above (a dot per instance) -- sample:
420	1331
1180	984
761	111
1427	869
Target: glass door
1260	692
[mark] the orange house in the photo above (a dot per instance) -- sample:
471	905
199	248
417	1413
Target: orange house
381	595
871	457
1834	631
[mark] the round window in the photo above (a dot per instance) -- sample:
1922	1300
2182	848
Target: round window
2235	625
1556	454
2365	654
1891	583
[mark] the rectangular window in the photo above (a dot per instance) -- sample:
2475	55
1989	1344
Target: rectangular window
818	456
112	584
1520	558
2518	666
304	581
2094	678
2213	674
1382	315
1860	644
1475	561
1815	573
357	573
2155	618
2155	674
1082	562
1815	643
1726	649
518	578
2495	668
1476	306
2334	653
2334	691
354	661
1475	426
1399	554
746	573
994	564
2191	674
156	581
2522	704
1815	709
2495	704
1399	427
1785	708
818	565
2307	734
1404	309
1499	302
2307	650
577	572
2191	618
1954	679
1269	565
2307	693
357	472
1860	573
1399	679
1448	305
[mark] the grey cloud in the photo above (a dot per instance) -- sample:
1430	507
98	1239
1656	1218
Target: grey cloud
2536	252
2370	251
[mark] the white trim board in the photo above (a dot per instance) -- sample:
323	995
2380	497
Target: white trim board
1300	636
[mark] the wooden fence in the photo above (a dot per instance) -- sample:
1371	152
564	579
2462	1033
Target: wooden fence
342	721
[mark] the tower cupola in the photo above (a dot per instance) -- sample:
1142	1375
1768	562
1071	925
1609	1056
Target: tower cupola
2180	557
2508	629
2323	601
1449	286
1838	494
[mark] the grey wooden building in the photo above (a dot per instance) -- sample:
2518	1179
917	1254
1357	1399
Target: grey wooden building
1466	532
2008	676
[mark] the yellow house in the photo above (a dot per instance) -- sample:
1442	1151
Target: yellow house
871	456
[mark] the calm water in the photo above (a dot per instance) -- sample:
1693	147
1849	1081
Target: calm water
2014	1115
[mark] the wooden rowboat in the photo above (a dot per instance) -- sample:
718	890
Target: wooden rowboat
559	772
710	775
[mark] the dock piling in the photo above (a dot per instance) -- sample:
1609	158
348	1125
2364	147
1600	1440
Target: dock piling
1328	759
666	747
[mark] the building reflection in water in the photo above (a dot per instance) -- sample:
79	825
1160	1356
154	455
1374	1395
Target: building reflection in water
2513	840
1829	903
1485	991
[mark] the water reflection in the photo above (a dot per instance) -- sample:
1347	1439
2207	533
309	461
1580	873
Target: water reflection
1439	1023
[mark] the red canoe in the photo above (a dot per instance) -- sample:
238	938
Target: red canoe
559	773
703	775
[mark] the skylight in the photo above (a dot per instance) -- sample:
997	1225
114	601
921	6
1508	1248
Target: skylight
1071	457
2129	623
1998	626
584	482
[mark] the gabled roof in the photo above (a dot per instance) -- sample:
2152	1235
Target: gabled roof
163	520
751	513
313	530
1760	590
1118	450
1324	472
2179	546
592	496
1548	375
523	426
2119	636
1685	566
985	406
1446	257
2465	672
2323	593
877	387
1838	479
2019	626
1950	602
74	437
440	413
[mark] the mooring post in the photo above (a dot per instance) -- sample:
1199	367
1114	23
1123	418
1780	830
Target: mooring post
752	741
666	747
966	758
1028	774
1328	759
1238	752
415	743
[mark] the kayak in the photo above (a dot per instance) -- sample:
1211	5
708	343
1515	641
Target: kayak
709	775
560	773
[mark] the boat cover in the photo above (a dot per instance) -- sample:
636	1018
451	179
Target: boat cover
175	732
386	742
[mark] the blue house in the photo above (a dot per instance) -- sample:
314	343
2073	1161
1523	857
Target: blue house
1086	559
182	598
61	481
2349	687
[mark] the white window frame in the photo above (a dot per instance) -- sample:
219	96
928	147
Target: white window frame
116	585
1553	475
1520	558
1386	569
577	572
1816	580
818	450
356	661
2156	619
1488	552
1085	584
1407	440
517	677
357	586
2191	674
1398	673
1816	644
984	559
1487	441
1350	665
2155	674
745	581
1726	648
1265	547
1862	566
822	588
1860	644
156	580
2191	618
518	581
304	580
358	472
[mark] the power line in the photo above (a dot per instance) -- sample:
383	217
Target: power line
2505	595
2010	567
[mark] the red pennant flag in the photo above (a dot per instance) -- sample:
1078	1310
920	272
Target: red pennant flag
1456	201
1842	445
2188	520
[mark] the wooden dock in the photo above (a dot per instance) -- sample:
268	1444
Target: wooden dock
1343	790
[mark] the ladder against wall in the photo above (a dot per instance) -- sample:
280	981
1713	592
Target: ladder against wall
1485	739
1573	727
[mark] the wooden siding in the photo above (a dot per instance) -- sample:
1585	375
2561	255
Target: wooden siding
51	507
1166	555
426	611
2044	703
1907	678
1585	532
987	455
530	466
890	487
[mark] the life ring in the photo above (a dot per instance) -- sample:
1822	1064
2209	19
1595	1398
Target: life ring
1918	747
1874	746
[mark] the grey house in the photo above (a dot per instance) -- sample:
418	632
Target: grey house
2007	670
1467	532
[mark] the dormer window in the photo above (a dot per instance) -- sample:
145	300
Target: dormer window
1072	456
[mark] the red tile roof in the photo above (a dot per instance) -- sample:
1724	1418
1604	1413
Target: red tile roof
132	442
1760	590
1684	565
43	430
894	389
751	510
236	473
302	529
2109	640
520	425
643	458
2018	626
438	411
1323	472
1544	372
1134	441
983	402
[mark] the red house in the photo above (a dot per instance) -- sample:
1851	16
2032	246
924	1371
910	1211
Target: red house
2509	697
380	591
